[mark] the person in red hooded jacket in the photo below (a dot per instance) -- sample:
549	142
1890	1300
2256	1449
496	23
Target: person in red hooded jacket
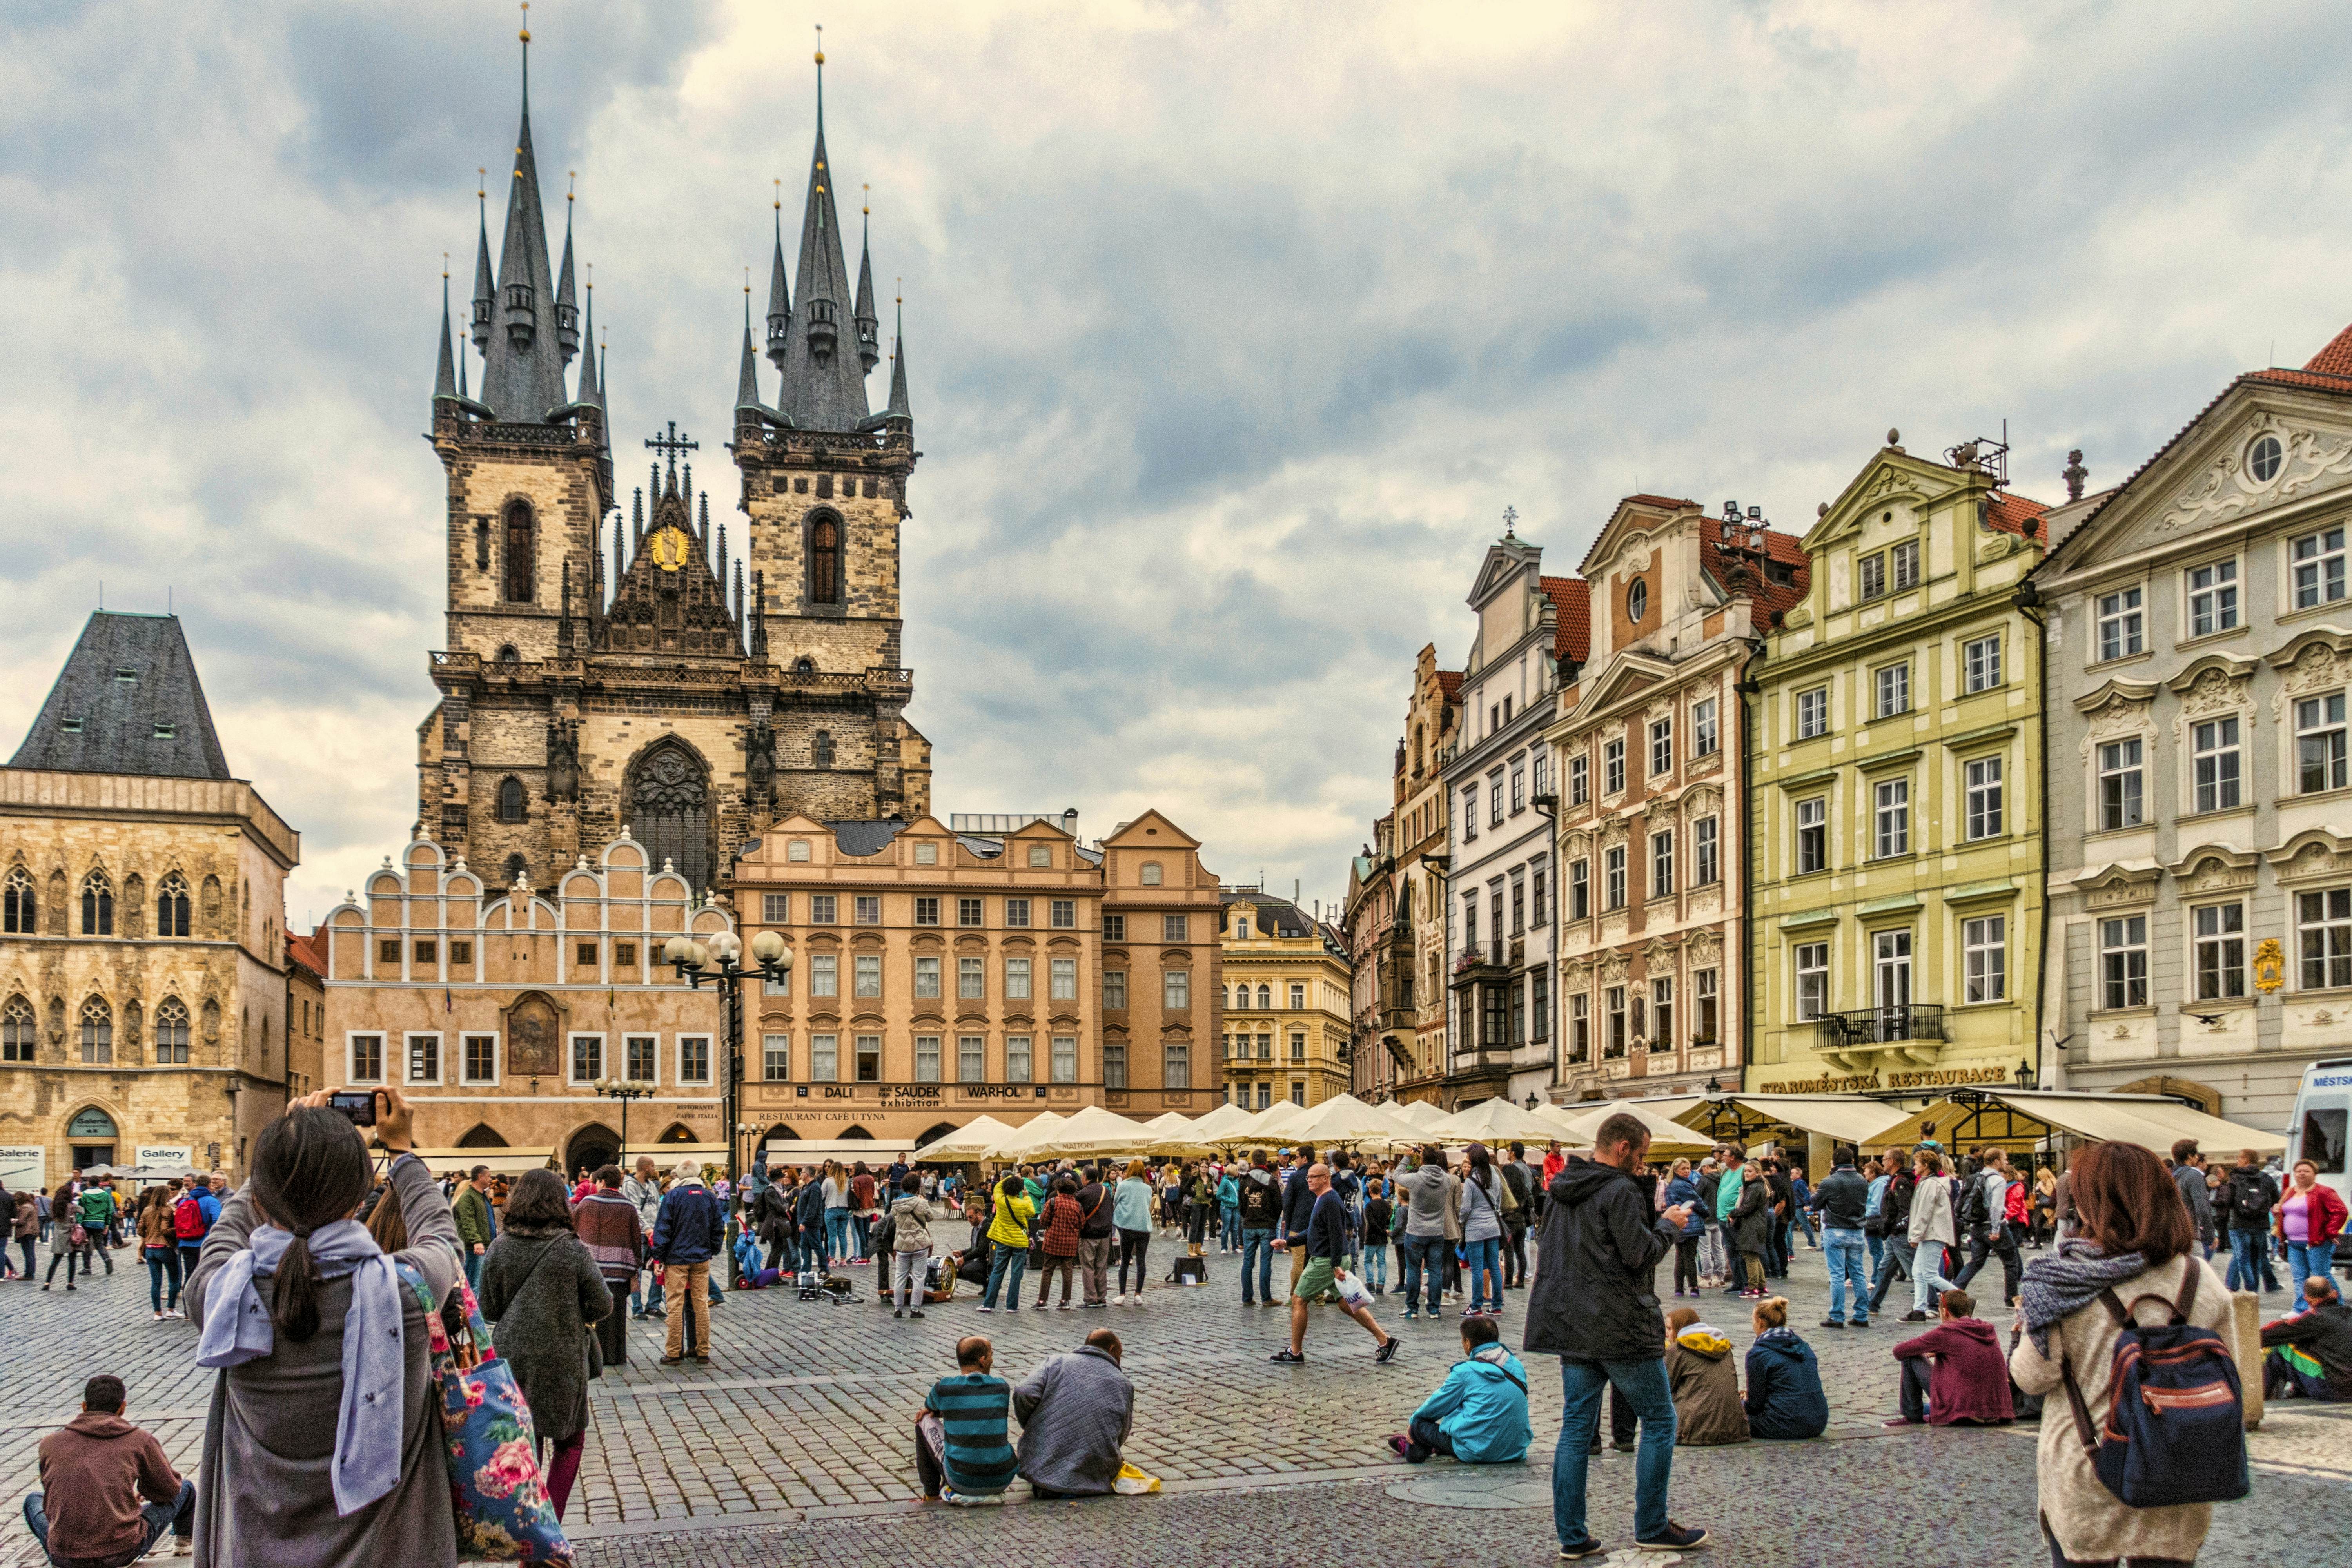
1968	1386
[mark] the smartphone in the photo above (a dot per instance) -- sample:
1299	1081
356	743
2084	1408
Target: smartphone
359	1104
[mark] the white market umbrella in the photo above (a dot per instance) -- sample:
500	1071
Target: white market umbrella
1264	1126
1176	1135
1667	1138
973	1141
1090	1131
1218	1122
1422	1114
1014	1146
1348	1121
1494	1122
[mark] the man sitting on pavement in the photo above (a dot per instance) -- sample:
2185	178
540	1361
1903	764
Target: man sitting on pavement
1326	1241
1970	1384
1075	1412
2310	1352
972	1413
94	1471
1479	1413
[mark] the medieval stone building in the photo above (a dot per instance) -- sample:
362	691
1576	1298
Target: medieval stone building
602	669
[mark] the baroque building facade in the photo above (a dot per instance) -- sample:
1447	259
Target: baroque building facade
1287	1029
1500	933
143	975
990	965
604	672
1894	814
1650	749
2200	656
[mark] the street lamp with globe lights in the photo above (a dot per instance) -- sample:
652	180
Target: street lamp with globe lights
624	1089
720	963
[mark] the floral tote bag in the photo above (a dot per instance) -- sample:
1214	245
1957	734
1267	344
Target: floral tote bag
503	1512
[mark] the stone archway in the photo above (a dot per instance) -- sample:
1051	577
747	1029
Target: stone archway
2207	1100
595	1146
933	1133
481	1135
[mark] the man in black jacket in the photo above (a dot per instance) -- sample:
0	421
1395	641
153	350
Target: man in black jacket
1261	1205
1841	1197
1595	1306
1895	1209
1297	1206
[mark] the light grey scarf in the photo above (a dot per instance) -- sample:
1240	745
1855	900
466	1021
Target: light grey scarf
238	1329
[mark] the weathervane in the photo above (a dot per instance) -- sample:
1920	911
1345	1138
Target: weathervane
1510	521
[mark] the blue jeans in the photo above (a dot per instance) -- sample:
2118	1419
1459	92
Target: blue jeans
2304	1260
836	1233
1805	1223
1845	1251
163	1263
474	1268
863	1230
1485	1259
1376	1267
1425	1255
1257	1252
1877	1253
1004	1269
1643	1384
178	1516
1229	1226
1928	1281
2245	1258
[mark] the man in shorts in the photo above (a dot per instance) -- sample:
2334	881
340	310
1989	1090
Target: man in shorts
1325	1243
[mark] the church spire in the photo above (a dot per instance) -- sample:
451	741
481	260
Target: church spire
747	381
567	312
588	393
484	292
823	388
899	411
780	299
522	374
869	347
445	376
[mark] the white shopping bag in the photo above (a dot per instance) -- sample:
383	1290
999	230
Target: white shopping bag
1352	1289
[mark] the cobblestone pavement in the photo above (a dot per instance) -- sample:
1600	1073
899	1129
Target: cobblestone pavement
793	1444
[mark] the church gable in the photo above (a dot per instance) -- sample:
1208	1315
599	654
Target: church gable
669	601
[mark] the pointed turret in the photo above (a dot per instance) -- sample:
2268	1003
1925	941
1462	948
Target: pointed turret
869	327
780	300
523	372
588	385
824	387
747	380
567	313
898	412
485	290
445	377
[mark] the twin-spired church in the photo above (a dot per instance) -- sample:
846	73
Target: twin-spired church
619	661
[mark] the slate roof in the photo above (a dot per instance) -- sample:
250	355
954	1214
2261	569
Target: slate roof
865	838
128	692
1571	597
1285	918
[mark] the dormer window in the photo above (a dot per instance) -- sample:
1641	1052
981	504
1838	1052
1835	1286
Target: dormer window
518	296
127	676
70	726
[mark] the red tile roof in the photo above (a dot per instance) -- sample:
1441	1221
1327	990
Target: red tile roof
2016	514
1786	549
1449	685
1570	598
302	949
2336	359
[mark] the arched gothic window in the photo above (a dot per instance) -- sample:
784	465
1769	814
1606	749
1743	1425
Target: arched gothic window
172	906
822	748
521	556
825	562
18	906
20	1030
512	805
804	664
507	654
170	1031
96	1030
517	867
669	810
97	905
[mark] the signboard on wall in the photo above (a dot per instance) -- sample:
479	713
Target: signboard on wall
172	1157
23	1168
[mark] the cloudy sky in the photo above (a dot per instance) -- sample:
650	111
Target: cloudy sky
1232	328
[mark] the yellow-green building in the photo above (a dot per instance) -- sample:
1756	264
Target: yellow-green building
1286	1006
1895	827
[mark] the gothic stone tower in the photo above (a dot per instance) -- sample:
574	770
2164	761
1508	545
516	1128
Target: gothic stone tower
584	695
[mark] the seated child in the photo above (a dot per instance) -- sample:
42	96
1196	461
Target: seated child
1706	1389
1479	1413
1784	1381
963	1443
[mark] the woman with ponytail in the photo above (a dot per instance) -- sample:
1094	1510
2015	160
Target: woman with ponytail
323	1447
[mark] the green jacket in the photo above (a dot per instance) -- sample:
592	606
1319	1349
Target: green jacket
97	1207
1727	1193
473	1212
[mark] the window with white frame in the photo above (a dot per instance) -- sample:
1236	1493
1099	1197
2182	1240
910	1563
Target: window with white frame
1662	864
1904	562
2318	563
641	1055
694	1058
1980	783
971	979
1613	878
1016	912
776	909
2213	598
367	1058
1580	889
1613	766
821	907
867	907
1892	799
1707	1007
1706	731
1661	1013
1470	815
825	974
2123	961
867	974
2319	751
972	1059
2122	778
1114	990
1812	834
1063	1061
1016	980
1063	975
1812	713
1662	747
1812	970
1579	784
2219	934
776	1057
1495	801
927	978
1894	688
2122	625
1016	1058
1981	663
1518	790
1984	949
1298	998
1538	877
1174	928
1470	922
869	1059
587	1057
825	1058
1539	768
1175	1065
2323	928
1706	861
1612	1004
424	1058
1063	913
1176	991
2214	765
926	1058
1579	1028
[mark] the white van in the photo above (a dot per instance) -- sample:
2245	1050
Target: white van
2322	1120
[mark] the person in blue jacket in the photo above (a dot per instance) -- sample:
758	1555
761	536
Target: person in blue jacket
1784	1382
1682	1187
1479	1413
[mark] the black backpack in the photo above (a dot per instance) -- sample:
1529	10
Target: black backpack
2250	1196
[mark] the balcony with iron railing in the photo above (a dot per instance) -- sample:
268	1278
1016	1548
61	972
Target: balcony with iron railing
1869	1027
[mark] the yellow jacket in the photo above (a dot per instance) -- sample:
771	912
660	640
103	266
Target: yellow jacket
1011	1225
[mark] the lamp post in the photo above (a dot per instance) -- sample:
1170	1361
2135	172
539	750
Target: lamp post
772	962
2024	1074
624	1089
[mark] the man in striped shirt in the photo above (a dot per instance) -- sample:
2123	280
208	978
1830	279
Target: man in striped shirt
974	1461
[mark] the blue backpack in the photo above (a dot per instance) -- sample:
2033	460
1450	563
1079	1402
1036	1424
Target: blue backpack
2176	1421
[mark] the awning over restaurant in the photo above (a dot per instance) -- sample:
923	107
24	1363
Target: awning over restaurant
501	1162
2009	1117
784	1152
1848	1118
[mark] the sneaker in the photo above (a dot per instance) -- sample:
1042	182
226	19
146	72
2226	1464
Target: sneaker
1861	1323
914	1311
1288	1357
1583	1549
1410	1315
1387	1353
899	1312
671	1360
1836	1322
1915	1316
159	1317
987	1308
1066	1307
1673	1538
1093	1306
965	1500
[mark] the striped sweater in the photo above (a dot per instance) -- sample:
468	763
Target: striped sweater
975	1413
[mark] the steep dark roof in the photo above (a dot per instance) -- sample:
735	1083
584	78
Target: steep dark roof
1780	549
153	721
865	838
1285	918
